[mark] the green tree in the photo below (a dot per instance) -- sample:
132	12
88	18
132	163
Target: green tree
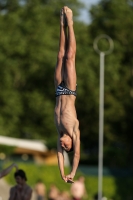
28	49
29	33
114	18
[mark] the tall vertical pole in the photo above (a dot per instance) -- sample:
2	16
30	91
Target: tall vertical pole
101	124
101	108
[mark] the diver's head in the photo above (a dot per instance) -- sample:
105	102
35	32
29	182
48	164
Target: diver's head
66	143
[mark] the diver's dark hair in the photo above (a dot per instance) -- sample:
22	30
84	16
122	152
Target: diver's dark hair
20	173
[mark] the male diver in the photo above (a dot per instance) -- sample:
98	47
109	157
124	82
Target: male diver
65	115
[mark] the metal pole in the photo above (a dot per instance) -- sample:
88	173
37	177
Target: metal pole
101	108
101	122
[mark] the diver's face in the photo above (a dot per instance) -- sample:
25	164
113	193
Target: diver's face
66	142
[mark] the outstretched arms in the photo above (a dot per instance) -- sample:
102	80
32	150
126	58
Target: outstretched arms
7	170
76	156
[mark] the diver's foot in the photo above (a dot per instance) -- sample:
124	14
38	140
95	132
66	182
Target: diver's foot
69	15
62	17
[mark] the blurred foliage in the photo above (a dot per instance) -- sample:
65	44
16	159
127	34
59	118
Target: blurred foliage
29	34
108	17
7	150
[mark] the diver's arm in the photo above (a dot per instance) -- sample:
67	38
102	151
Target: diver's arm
60	157
76	156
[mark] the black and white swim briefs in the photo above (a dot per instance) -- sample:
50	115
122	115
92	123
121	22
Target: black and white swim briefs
63	90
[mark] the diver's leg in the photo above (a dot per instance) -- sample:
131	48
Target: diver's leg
70	71
58	77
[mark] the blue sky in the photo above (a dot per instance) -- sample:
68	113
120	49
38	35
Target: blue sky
84	13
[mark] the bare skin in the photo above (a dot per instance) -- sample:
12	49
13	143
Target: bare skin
6	171
66	120
21	190
40	189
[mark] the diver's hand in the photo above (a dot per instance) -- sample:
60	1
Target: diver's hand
69	178
64	178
